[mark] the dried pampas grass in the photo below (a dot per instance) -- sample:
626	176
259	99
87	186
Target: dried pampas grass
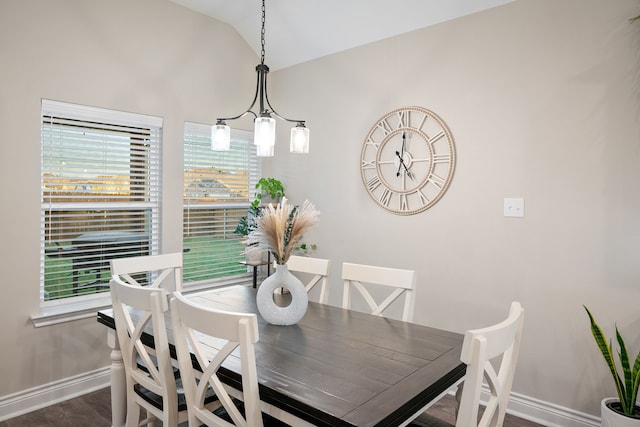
280	229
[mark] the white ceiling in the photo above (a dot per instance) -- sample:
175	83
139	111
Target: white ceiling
300	30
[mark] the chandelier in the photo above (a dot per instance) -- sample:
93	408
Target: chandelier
264	124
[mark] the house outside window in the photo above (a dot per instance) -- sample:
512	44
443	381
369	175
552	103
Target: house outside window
218	187
100	189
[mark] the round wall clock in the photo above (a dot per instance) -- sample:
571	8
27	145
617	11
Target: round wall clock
407	160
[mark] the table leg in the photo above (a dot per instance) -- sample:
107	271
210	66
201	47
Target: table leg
255	276
118	382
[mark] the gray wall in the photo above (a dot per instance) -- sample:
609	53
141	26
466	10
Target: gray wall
542	98
540	95
145	56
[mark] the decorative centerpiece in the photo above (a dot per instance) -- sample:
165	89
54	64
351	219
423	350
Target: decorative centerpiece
279	230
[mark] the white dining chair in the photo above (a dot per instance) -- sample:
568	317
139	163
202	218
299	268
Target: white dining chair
226	332
150	377
401	282
154	269
500	342
318	268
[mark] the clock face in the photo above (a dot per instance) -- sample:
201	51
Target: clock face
407	160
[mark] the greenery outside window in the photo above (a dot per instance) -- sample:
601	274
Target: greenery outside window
218	187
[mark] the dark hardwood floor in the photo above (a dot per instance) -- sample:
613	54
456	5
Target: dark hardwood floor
89	410
445	410
94	410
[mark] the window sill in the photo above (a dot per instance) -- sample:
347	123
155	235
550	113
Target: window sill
55	312
69	311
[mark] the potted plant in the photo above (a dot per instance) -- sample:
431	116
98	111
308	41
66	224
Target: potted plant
245	226
248	222
624	411
269	189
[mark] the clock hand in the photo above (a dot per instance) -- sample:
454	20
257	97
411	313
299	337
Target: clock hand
409	174
401	155
403	165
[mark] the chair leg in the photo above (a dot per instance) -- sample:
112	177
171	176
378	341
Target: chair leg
133	414
458	397
149	421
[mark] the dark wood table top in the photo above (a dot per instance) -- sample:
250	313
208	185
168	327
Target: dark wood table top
339	367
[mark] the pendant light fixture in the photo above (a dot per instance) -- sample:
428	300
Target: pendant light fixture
265	124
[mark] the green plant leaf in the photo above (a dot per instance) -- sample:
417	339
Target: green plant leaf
270	186
626	370
635	374
605	349
289	226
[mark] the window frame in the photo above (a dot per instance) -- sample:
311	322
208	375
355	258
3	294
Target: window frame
147	207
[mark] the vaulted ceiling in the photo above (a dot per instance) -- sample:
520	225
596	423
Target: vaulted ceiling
301	30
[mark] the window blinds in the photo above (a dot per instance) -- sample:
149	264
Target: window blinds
100	195
218	186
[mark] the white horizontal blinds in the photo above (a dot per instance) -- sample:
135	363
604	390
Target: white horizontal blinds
100	195
217	188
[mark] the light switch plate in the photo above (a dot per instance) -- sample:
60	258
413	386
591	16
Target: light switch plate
514	207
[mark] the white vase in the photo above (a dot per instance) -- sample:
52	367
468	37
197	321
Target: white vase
272	312
611	418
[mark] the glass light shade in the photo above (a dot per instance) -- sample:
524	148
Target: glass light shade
265	150
220	137
299	140
264	132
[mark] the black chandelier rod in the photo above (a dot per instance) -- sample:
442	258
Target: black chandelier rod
261	85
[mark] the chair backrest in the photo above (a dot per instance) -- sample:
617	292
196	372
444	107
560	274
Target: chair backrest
479	348
136	309
156	269
403	282
317	267
225	331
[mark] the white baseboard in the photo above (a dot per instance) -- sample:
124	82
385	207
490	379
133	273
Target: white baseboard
545	413
39	397
538	411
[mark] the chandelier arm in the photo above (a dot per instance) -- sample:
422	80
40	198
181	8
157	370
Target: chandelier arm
273	110
224	119
287	120
255	98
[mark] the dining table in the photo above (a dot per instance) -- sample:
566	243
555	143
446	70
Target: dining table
335	367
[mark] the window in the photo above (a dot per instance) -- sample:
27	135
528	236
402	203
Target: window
100	197
218	186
